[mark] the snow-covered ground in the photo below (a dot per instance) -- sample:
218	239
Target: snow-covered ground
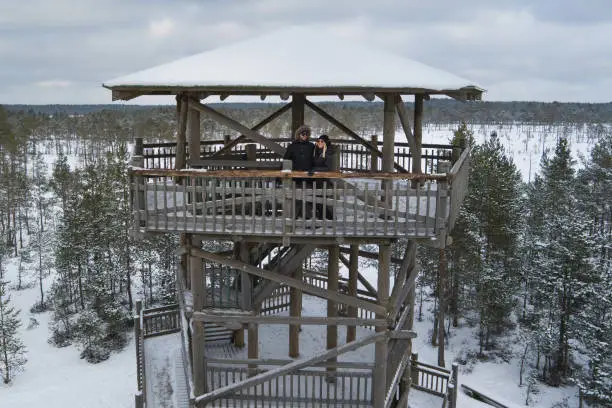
58	378
524	143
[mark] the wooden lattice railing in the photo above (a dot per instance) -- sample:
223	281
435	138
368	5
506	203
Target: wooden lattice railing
259	203
353	156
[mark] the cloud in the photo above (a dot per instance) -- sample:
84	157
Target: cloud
161	28
53	83
517	49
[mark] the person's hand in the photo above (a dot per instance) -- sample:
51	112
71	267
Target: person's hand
311	172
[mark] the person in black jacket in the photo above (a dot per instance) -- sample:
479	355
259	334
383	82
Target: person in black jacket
322	160
300	152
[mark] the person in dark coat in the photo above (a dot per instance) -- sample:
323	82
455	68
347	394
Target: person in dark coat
301	152
322	160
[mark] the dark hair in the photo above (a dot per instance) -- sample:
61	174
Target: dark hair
325	138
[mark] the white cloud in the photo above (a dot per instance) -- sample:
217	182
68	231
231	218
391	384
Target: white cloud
514	49
161	28
53	83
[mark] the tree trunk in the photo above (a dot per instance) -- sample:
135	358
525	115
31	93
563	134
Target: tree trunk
442	270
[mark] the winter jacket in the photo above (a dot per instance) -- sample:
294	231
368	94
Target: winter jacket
320	163
300	153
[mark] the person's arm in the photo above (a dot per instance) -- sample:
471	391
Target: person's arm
288	154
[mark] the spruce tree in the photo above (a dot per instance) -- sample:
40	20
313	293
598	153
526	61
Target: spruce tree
12	350
563	277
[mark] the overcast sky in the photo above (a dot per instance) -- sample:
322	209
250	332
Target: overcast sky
60	51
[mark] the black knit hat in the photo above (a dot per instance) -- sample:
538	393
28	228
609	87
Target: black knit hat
325	138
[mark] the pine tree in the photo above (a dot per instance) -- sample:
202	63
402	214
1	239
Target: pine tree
485	251
12	350
563	276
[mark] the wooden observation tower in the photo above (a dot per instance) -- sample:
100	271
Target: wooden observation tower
240	192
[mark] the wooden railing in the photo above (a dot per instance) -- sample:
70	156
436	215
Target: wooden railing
141	383
350	384
353	155
271	203
161	320
435	380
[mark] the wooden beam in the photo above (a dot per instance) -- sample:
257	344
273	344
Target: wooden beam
297	112
232	124
418	133
258	126
360	277
288	267
284	320
381	350
353	266
202	400
349	132
193	134
409	259
183	108
405	121
296	283
332	307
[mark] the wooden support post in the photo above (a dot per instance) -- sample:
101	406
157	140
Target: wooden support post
295	310
418	135
414	371
381	350
242	252
455	381
332	307
193	135
198	338
251	151
137	333
297	112
373	157
388	132
351	331
388	143
182	105
138	400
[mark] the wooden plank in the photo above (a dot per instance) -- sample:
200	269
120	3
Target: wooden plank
286	175
352	134
247	164
274	276
202	400
480	396
284	320
232	124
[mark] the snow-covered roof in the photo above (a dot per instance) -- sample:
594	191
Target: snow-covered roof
304	59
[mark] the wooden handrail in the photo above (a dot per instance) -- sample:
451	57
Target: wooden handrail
284	175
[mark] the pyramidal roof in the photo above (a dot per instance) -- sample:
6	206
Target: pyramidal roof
305	59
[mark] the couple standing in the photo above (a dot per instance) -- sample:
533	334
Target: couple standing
307	157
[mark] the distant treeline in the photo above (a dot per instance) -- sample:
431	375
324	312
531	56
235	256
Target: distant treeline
436	110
